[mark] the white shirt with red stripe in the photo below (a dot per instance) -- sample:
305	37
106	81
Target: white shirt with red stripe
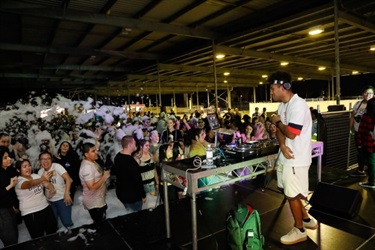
296	115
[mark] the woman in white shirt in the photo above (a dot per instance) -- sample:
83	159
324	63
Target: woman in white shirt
61	202
35	210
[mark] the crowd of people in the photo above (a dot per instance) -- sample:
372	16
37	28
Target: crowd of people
43	164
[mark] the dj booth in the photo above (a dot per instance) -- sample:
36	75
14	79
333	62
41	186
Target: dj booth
235	163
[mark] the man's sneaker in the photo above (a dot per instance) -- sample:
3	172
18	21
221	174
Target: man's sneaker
312	224
294	236
367	185
358	174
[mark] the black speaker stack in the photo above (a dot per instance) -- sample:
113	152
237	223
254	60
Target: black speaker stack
336	200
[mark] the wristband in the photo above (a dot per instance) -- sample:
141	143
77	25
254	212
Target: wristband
277	123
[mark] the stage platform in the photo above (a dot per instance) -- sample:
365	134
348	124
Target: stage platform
146	229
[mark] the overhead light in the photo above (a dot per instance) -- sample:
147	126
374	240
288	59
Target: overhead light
316	30
372	48
321	68
226	73
225	81
220	56
284	63
125	31
354	72
300	78
264	76
260	82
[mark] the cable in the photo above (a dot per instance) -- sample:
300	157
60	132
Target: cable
221	153
197	163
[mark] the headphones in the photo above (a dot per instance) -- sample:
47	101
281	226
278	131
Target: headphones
286	85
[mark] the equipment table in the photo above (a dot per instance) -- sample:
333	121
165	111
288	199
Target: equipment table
187	177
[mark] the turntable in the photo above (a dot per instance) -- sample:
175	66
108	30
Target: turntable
250	150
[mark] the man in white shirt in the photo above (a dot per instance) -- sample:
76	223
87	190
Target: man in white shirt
293	121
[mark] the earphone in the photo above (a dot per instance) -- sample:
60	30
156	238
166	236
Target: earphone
286	85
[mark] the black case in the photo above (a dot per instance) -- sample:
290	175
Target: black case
336	200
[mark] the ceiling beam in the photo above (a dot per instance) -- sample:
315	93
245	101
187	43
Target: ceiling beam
290	59
112	91
183	79
62	85
356	21
78	51
163	85
55	76
67	67
85	68
233	71
116	21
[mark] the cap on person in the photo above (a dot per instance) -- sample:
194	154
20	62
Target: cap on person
280	77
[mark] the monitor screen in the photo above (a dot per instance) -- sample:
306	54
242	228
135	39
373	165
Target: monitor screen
213	120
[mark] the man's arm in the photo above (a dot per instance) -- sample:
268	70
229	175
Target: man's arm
284	130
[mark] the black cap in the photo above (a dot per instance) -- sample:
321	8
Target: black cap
280	77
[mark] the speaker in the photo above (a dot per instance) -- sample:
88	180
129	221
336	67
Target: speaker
336	200
336	108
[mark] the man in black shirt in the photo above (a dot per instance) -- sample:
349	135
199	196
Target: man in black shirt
129	186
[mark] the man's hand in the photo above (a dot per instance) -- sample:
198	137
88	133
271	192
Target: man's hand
287	152
275	118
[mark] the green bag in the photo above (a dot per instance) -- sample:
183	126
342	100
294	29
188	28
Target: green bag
244	228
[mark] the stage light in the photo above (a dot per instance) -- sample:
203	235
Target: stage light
220	56
321	68
316	30
284	63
